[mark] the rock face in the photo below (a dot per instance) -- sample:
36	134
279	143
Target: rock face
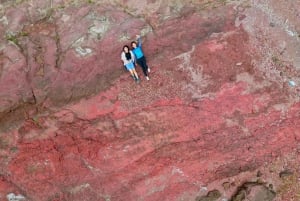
254	191
218	104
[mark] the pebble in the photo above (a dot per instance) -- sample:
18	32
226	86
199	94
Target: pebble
292	83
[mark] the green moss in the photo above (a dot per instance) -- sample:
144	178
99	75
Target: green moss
12	38
19	1
23	33
48	15
37	122
35	119
223	1
14	149
213	4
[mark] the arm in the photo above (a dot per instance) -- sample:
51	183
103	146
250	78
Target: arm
123	58
132	57
139	40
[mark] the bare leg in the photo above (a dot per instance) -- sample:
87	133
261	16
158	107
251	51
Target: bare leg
135	73
131	73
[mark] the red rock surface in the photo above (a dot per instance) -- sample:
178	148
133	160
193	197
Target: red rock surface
217	109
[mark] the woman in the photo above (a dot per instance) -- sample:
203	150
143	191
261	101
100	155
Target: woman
128	59
139	55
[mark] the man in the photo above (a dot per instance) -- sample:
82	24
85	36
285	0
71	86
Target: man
139	56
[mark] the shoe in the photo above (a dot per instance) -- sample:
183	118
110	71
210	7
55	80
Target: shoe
137	80
148	70
147	78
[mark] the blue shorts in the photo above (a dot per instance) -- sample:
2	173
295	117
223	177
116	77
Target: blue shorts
129	66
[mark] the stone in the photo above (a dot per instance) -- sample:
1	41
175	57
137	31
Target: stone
240	196
260	181
226	185
259	193
285	174
254	191
259	173
211	196
13	197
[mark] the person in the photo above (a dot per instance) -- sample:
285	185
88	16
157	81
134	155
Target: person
128	59
139	56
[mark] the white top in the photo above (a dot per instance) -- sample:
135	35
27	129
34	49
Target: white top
123	58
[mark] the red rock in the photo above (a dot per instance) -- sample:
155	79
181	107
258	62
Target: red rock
100	136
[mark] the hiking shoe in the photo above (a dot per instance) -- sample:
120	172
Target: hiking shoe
147	78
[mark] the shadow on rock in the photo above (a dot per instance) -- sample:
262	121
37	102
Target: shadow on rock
254	191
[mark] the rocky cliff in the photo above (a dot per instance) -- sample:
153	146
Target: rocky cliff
219	119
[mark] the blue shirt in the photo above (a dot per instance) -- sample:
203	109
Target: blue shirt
138	52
